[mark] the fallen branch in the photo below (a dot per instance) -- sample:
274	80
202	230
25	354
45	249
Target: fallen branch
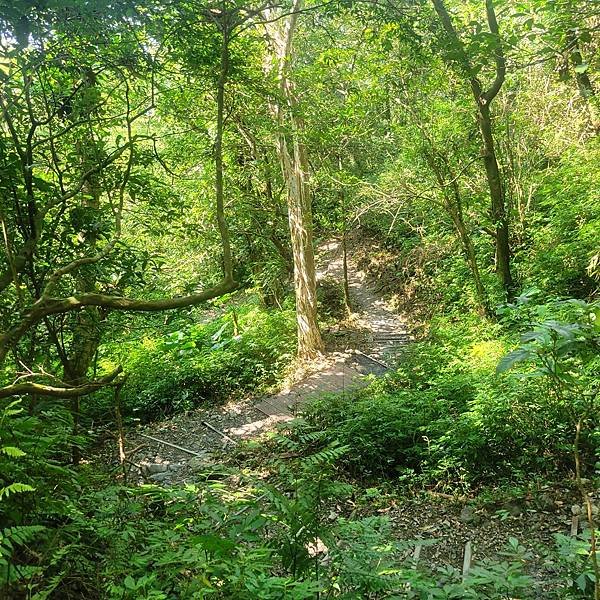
373	359
155	439
219	432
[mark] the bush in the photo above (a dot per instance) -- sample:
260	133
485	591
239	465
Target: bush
239	352
446	416
566	225
209	541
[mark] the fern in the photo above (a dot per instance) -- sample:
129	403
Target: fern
15	488
16	536
12	409
327	456
12	451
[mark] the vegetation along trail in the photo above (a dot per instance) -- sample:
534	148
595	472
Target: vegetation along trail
299	299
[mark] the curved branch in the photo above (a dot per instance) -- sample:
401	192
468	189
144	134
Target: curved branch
20	389
492	92
88	260
52	306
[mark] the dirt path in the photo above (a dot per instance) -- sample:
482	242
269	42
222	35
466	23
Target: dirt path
385	333
360	346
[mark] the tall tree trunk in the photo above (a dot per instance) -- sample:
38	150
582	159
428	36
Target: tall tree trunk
483	99
87	329
345	283
300	221
294	165
219	185
498	210
86	339
454	207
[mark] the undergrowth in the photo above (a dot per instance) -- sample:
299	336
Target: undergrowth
446	417
231	536
243	350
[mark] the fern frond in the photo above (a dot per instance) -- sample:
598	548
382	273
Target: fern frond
12	451
15	488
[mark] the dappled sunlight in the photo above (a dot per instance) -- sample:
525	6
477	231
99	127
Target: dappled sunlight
299	300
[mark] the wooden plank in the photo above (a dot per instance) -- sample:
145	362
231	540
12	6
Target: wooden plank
468	558
574	525
416	555
375	360
273	408
264	412
384	337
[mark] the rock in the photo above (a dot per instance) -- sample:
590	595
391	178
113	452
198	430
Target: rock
514	509
467	515
582	510
174	466
155	468
160	477
544	502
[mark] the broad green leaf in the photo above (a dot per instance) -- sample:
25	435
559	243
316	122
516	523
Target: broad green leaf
512	358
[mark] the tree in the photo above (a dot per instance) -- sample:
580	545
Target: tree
293	157
483	99
72	147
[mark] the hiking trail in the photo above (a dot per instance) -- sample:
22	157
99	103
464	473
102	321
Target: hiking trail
365	344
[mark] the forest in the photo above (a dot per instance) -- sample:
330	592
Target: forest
299	299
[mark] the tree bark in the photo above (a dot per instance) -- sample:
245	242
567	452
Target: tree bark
452	202
498	210
294	165
310	343
219	186
52	306
62	391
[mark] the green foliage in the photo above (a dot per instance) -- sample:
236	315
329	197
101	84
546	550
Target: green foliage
572	559
31	472
565	229
239	352
109	160
245	540
444	415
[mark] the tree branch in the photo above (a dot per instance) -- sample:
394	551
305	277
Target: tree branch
20	389
52	306
492	92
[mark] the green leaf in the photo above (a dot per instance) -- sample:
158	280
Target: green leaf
15	488
581	582
12	451
512	358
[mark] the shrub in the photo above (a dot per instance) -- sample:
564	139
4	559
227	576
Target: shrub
565	229
446	416
241	351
